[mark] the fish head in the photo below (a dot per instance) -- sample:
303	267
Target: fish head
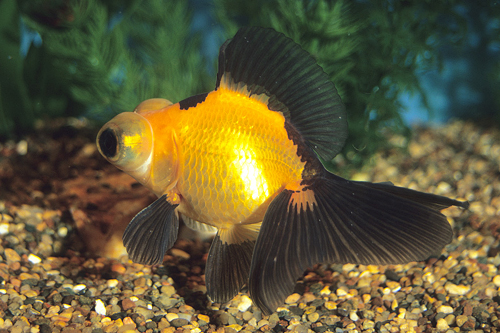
128	142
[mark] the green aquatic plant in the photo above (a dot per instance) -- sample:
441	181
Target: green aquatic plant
98	58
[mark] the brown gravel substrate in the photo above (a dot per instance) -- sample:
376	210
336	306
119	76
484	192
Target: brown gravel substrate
57	195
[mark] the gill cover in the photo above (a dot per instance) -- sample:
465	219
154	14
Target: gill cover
127	142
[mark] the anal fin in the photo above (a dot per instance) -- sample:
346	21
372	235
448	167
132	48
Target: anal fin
228	261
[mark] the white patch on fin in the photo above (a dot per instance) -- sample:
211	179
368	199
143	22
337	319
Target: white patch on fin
198	226
239	233
228	83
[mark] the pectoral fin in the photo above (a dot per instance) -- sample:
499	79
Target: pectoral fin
152	232
332	220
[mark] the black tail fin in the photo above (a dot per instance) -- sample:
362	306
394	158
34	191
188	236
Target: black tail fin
333	220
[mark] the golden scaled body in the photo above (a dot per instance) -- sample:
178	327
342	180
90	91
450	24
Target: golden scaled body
234	155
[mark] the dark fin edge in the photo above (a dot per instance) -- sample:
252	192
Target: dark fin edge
340	222
192	101
432	201
152	232
269	62
227	269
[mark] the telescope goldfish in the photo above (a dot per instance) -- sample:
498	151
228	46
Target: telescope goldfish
246	160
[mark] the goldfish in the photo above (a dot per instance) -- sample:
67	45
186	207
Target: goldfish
246	161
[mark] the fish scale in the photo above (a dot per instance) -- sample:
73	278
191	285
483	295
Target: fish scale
215	169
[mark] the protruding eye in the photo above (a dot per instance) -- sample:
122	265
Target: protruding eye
126	141
108	143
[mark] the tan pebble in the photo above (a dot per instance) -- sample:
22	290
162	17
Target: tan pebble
442	324
168	290
429	277
393	286
118	268
348	267
341	292
11	256
112	283
245	303
450	319
351	327
205	318
163	323
262	322
460	320
353	316
127	321
30	293
15	282
171	316
330	305
313	317
179	253
53	310
445	309
235	327
496	280
293	298
325	291
127	328
34	259
308	297
140	282
100	307
368	324
4	227
394	304
168	330
127	304
454	289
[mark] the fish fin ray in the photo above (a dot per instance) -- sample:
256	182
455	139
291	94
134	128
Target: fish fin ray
332	220
258	61
152	232
197	226
228	263
430	200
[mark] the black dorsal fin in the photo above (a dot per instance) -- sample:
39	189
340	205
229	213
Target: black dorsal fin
261	61
192	101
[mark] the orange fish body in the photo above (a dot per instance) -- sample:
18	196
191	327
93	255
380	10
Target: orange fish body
245	160
231	163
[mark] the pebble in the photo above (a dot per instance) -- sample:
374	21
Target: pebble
496	280
245	303
445	309
71	293
293	298
100	308
34	259
454	289
11	256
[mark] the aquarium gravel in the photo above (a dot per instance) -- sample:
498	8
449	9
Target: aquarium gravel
48	285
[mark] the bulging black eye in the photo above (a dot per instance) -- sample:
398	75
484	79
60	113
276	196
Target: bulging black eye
108	143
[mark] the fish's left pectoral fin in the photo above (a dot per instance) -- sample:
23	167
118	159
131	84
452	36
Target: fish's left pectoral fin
332	220
152	232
